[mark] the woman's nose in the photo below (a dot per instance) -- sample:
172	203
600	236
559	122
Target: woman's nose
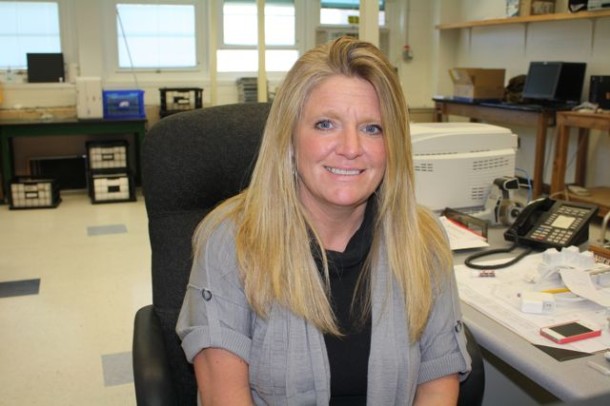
349	144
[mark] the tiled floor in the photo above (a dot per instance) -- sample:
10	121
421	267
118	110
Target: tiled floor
71	280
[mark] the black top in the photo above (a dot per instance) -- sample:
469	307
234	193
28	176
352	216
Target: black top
348	355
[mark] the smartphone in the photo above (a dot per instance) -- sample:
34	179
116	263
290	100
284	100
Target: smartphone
568	332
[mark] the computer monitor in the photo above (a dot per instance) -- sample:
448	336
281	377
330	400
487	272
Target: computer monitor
554	82
45	67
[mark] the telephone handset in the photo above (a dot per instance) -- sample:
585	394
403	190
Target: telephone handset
547	223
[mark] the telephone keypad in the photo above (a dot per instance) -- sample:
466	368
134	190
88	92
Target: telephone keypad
549	223
560	236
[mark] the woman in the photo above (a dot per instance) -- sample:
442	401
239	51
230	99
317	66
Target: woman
324	281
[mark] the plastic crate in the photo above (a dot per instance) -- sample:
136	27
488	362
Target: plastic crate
104	155
32	193
177	99
111	188
123	104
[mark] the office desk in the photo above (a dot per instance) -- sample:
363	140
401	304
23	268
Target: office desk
538	375
42	128
503	114
566	120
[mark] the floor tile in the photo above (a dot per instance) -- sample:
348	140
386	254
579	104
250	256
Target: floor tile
19	288
117	369
70	343
106	229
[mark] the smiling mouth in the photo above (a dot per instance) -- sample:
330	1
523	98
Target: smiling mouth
344	172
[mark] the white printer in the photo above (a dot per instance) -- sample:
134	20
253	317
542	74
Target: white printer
456	163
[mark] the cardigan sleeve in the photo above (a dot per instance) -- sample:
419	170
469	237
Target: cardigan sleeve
443	342
215	312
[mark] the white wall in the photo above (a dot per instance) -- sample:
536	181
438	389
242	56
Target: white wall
413	21
512	47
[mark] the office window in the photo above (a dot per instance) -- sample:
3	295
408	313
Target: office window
237	51
156	35
27	26
337	12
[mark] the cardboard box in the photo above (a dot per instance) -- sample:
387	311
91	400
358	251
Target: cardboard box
539	7
536	7
477	83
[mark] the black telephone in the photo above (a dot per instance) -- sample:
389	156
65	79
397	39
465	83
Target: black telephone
547	223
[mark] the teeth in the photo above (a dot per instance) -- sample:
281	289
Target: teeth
348	172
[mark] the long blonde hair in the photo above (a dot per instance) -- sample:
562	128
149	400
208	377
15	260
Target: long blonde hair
272	231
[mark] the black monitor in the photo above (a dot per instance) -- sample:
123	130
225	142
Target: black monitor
554	82
45	67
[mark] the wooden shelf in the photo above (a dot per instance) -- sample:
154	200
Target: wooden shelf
582	15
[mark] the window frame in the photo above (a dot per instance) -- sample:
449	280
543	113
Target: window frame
382	7
220	33
111	66
299	39
65	13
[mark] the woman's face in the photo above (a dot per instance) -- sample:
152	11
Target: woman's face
339	147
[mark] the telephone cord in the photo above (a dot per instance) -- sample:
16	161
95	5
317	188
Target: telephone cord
468	261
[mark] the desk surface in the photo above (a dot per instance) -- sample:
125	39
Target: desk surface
568	380
65	120
506	105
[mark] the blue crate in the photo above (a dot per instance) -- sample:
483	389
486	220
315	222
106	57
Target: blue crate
123	104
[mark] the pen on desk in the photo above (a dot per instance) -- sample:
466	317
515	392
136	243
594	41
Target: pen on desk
556	290
599	368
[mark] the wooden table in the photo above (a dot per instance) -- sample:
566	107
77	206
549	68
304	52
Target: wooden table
541	119
566	120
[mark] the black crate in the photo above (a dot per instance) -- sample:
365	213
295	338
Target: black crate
32	193
111	188
108	155
178	99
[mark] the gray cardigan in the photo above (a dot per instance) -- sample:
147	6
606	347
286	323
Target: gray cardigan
287	359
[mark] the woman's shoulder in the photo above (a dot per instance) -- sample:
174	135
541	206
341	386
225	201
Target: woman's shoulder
215	236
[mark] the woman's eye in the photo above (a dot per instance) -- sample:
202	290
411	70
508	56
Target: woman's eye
324	125
373	129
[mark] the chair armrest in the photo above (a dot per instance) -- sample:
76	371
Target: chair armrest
151	370
473	388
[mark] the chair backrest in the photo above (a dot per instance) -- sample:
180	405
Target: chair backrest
191	161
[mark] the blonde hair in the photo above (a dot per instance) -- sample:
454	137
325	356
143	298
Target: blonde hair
273	235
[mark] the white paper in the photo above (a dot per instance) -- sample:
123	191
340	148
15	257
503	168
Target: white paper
580	283
460	237
499	298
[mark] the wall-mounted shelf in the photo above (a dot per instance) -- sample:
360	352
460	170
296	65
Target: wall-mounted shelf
591	15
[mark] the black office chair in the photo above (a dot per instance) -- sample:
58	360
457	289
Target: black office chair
472	388
190	162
